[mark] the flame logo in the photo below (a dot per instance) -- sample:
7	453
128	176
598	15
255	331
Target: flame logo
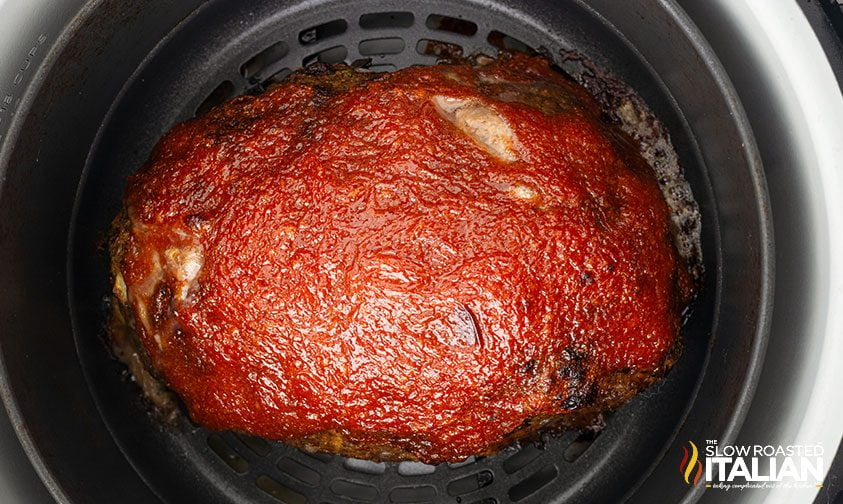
686	467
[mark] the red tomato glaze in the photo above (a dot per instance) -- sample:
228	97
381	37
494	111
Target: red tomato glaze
371	270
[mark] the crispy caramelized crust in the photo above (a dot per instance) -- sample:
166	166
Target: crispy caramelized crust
427	264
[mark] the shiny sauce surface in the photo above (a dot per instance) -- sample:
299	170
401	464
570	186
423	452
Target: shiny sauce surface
369	258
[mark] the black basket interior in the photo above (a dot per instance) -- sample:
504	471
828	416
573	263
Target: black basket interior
229	48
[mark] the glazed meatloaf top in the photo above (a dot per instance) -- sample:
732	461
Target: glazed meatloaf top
426	264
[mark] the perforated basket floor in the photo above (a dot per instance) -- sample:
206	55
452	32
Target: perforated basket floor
290	476
229	48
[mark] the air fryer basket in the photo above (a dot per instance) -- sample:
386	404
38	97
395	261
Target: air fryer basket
124	74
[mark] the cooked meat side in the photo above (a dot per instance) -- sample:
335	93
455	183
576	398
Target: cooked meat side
427	264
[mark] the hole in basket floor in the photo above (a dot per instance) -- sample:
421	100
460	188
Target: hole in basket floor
470	483
353	490
533	483
579	445
379	20
505	42
439	49
263	60
227	454
299	471
408	494
451	24
364	466
322	31
374	47
279	491
336	54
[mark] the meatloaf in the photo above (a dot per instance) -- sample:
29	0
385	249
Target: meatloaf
419	265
